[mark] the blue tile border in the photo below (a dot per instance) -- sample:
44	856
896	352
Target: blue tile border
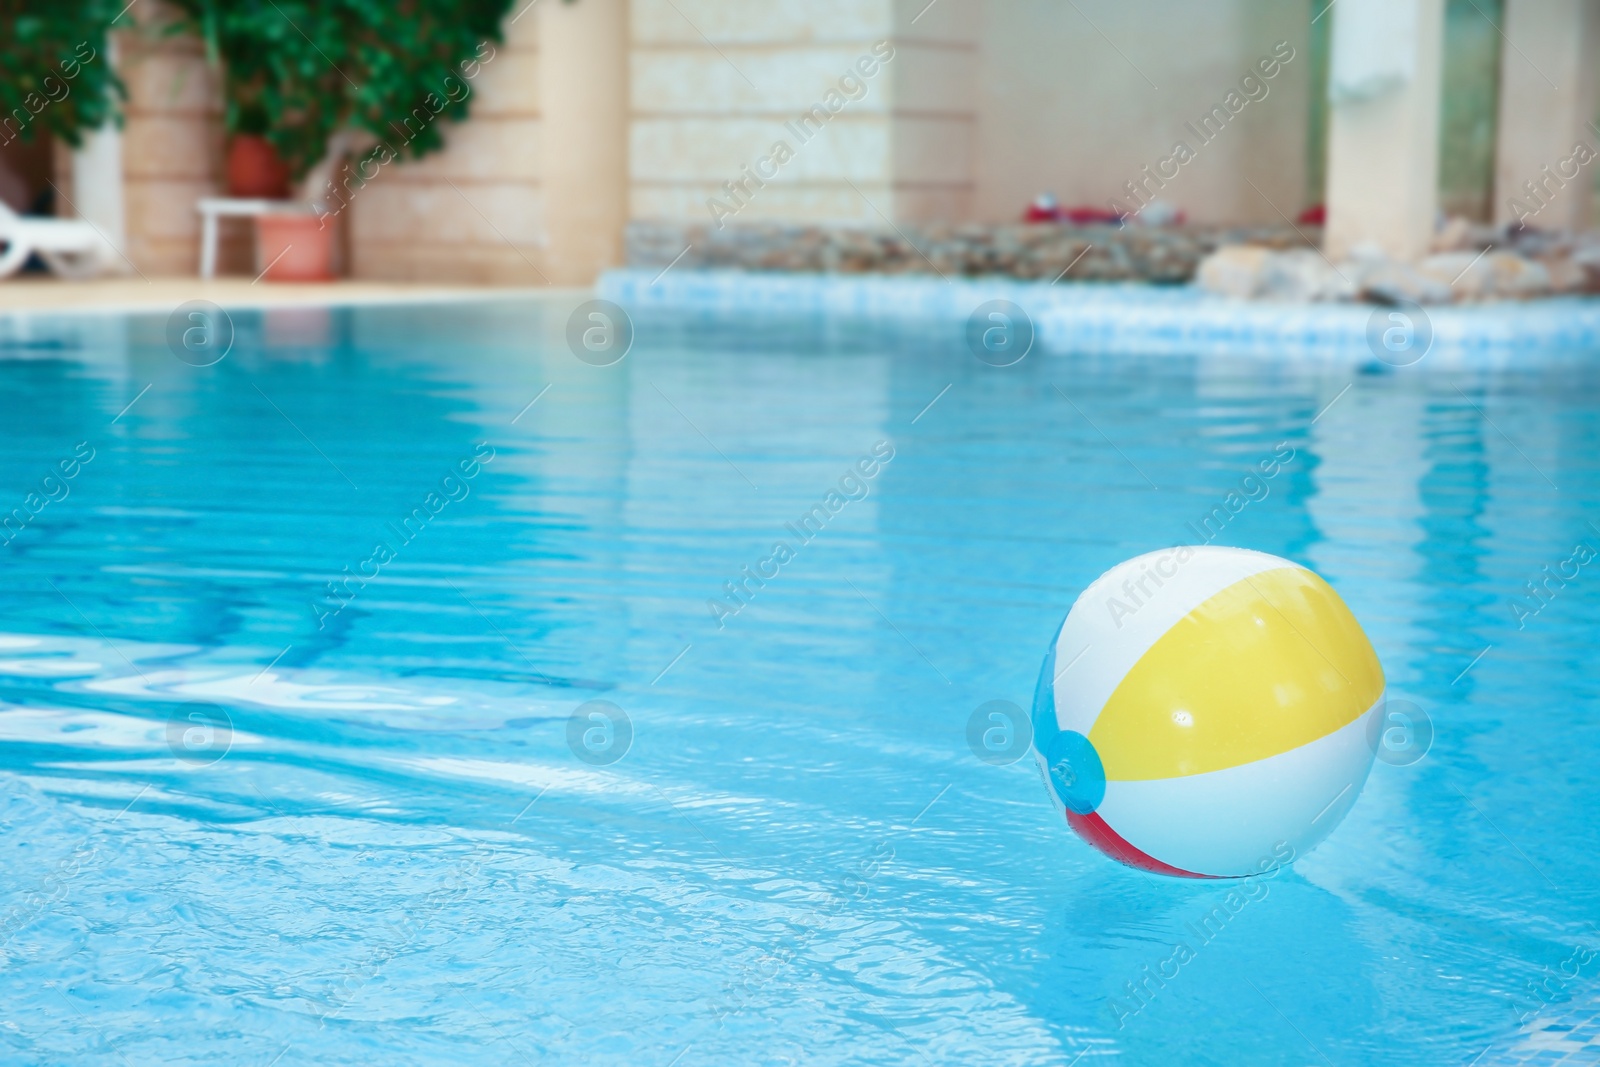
1121	318
873	296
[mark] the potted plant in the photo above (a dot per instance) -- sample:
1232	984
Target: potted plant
314	79
254	168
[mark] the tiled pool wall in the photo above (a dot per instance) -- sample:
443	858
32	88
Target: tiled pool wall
1122	318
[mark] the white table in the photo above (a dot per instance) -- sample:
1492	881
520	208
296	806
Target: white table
212	208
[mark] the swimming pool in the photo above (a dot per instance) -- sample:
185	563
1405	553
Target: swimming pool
302	760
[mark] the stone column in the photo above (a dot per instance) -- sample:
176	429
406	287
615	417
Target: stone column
1547	103
583	89
1383	137
97	179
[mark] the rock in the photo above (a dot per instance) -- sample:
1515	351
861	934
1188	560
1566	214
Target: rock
1237	271
1587	257
1303	276
1517	278
1160	213
1389	283
1245	262
1367	253
1567	275
1454	236
1537	244
1495	275
1467	275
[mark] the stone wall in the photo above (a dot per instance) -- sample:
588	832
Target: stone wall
473	211
985	104
1042	252
1076	99
172	154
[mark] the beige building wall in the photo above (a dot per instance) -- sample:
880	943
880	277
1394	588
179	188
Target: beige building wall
1548	101
532	188
1076	98
717	84
475	210
934	109
594	113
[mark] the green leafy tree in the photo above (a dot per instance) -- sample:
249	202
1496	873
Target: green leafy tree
55	74
297	71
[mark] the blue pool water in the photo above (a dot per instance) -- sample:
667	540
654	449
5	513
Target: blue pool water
246	817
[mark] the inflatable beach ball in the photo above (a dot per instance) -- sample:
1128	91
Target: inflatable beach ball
1204	712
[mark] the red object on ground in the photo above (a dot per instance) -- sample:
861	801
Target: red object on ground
294	247
1315	215
1093	829
1038	213
255	170
1090	216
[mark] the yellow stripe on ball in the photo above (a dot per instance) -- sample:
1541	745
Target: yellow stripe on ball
1270	663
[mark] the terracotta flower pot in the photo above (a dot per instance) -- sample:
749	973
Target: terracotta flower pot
254	169
295	247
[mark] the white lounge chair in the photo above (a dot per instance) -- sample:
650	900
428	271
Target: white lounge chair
71	247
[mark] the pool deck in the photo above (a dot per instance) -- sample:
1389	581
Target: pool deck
48	294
